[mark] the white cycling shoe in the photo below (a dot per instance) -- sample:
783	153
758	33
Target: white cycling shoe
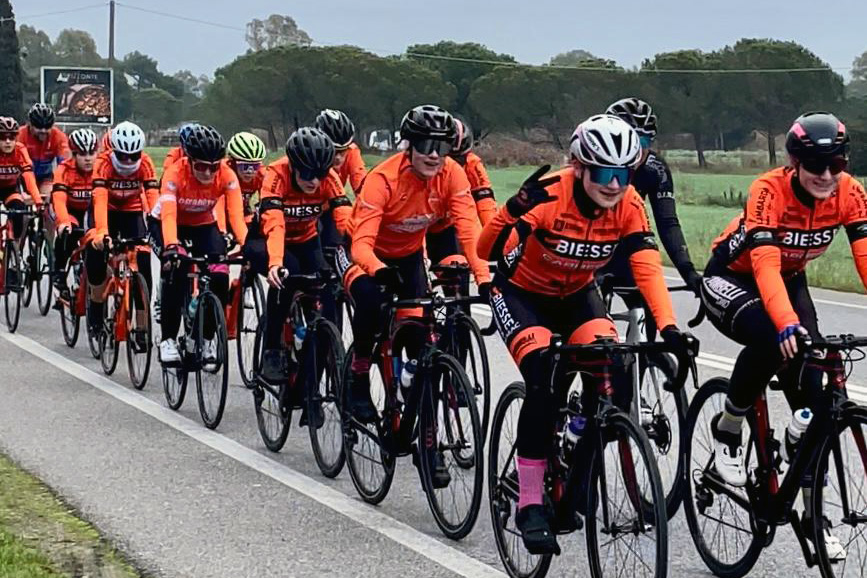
728	455
169	351
209	355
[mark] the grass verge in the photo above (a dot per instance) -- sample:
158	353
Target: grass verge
41	537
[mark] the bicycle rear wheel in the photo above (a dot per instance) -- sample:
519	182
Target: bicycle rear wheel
44	266
212	376
272	421
503	488
663	418
92	337
250	310
14	277
371	466
455	436
720	517
468	346
108	344
29	266
174	385
327	440
69	319
840	496
626	523
139	340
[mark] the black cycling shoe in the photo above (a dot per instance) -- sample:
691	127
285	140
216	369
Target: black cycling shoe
275	366
535	527
440	476
94	318
362	406
318	417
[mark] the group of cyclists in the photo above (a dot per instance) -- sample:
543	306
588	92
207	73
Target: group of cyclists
563	236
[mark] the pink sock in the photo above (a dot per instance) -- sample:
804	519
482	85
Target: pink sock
531	479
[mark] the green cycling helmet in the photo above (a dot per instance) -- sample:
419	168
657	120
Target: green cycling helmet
246	147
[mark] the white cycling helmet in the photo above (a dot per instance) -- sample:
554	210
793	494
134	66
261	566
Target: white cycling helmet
83	141
127	138
606	141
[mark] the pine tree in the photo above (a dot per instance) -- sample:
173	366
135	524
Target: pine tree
10	63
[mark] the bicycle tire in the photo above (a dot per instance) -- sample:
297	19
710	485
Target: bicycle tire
479	370
369	437
503	488
698	498
618	428
70	322
212	413
327	441
665	443
45	264
92	338
826	480
267	405
12	296
174	380
247	358
28	265
109	347
138	362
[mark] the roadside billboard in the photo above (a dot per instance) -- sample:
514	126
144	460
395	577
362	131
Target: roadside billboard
79	95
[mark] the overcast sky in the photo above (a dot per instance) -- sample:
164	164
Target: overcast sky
624	30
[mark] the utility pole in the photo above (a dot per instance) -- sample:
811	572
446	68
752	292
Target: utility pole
111	33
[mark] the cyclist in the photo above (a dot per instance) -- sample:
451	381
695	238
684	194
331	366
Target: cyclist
189	193
105	142
561	229
246	153
177	152
70	201
755	286
480	183
398	202
652	181
45	143
124	186
296	189
16	168
348	161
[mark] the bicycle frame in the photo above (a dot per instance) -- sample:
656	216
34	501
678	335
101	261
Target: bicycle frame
123	263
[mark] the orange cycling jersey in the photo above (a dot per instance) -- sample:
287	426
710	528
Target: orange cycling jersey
396	207
16	167
44	153
187	202
783	227
480	187
115	192
557	248
290	216
250	189
73	190
353	168
174	155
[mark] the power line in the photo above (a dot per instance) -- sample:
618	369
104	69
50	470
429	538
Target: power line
185	18
57	12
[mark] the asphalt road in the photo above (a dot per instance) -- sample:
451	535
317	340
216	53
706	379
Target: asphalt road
183	501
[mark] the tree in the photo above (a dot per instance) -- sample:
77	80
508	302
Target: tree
859	67
195	85
276	30
76	48
146	72
155	108
36	49
10	63
480	60
581	59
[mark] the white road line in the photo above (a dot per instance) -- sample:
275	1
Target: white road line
401	533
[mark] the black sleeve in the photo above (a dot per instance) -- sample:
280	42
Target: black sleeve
661	195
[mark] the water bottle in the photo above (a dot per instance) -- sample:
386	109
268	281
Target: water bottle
573	430
406	377
191	308
799	424
300	333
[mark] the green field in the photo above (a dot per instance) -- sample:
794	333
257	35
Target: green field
706	203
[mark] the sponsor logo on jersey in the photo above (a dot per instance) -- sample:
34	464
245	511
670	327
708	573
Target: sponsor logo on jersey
413	224
80	194
302	212
10	170
195	205
508	324
723	292
808	239
578	249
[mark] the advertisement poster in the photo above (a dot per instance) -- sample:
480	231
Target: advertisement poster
79	95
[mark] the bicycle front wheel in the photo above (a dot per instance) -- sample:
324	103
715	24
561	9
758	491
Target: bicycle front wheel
14	277
109	347
92	336
503	488
212	366
272	420
250	310
626	523
450	447
69	319
43	266
840	498
139	344
29	252
468	346
326	438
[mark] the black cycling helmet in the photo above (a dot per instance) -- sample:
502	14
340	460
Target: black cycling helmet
204	143
817	135
463	139
428	121
310	152
637	113
185	132
41	116
337	126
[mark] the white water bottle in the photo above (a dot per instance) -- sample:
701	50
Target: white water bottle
573	430
406	377
799	424
300	333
